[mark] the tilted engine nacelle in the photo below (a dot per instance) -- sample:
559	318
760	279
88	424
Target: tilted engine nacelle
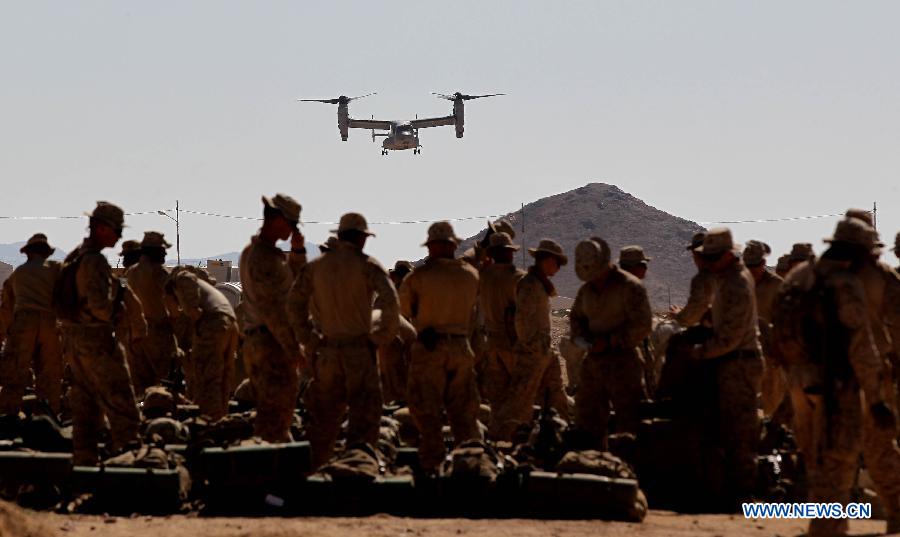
459	114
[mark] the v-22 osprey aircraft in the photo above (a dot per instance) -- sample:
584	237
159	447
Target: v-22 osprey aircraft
401	135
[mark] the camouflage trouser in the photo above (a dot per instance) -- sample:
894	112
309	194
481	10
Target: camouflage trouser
393	365
536	378
439	379
499	364
209	368
830	443
155	356
345	381
609	378
100	386
32	343
738	380
276	381
882	458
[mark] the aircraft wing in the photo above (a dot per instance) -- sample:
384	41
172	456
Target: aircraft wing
433	122
370	124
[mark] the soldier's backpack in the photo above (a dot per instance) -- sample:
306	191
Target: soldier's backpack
66	302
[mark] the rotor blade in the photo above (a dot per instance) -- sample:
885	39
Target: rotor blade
363	96
470	97
442	96
326	101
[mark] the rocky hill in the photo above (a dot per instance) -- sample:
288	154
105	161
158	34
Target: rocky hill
599	209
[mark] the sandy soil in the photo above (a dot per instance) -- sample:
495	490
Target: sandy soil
657	524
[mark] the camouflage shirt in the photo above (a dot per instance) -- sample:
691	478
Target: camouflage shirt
618	308
497	297
701	296
148	279
882	287
734	320
337	292
766	289
441	294
198	298
850	298
533	313
31	286
266	278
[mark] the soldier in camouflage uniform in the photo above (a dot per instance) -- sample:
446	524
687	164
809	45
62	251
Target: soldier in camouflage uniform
209	368
882	287
271	351
766	284
100	381
633	261
439	298
801	252
828	373
33	338
536	373
701	293
331	307
497	297
782	267
394	357
130	341
157	355
130	254
611	317
734	351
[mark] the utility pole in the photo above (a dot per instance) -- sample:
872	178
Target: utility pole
178	231
524	248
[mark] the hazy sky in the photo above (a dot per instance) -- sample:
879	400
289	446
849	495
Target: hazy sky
708	110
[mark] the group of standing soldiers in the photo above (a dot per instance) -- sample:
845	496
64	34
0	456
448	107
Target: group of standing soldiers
819	345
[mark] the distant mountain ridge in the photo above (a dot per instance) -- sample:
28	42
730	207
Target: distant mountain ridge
603	210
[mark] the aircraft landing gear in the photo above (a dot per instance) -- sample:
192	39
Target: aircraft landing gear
417	151
384	152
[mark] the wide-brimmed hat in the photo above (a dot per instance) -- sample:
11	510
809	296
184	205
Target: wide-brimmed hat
286	205
36	239
696	240
716	242
862	214
353	222
854	231
592	259
130	247
783	264
502	239
551	247
402	266
154	239
108	213
441	232
755	253
802	251
632	256
502	225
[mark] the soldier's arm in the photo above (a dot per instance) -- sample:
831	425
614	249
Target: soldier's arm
408	298
865	359
639	318
134	312
271	305
727	335
579	324
94	283
7	306
892	309
387	301
298	307
187	290
528	312
698	301
296	262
